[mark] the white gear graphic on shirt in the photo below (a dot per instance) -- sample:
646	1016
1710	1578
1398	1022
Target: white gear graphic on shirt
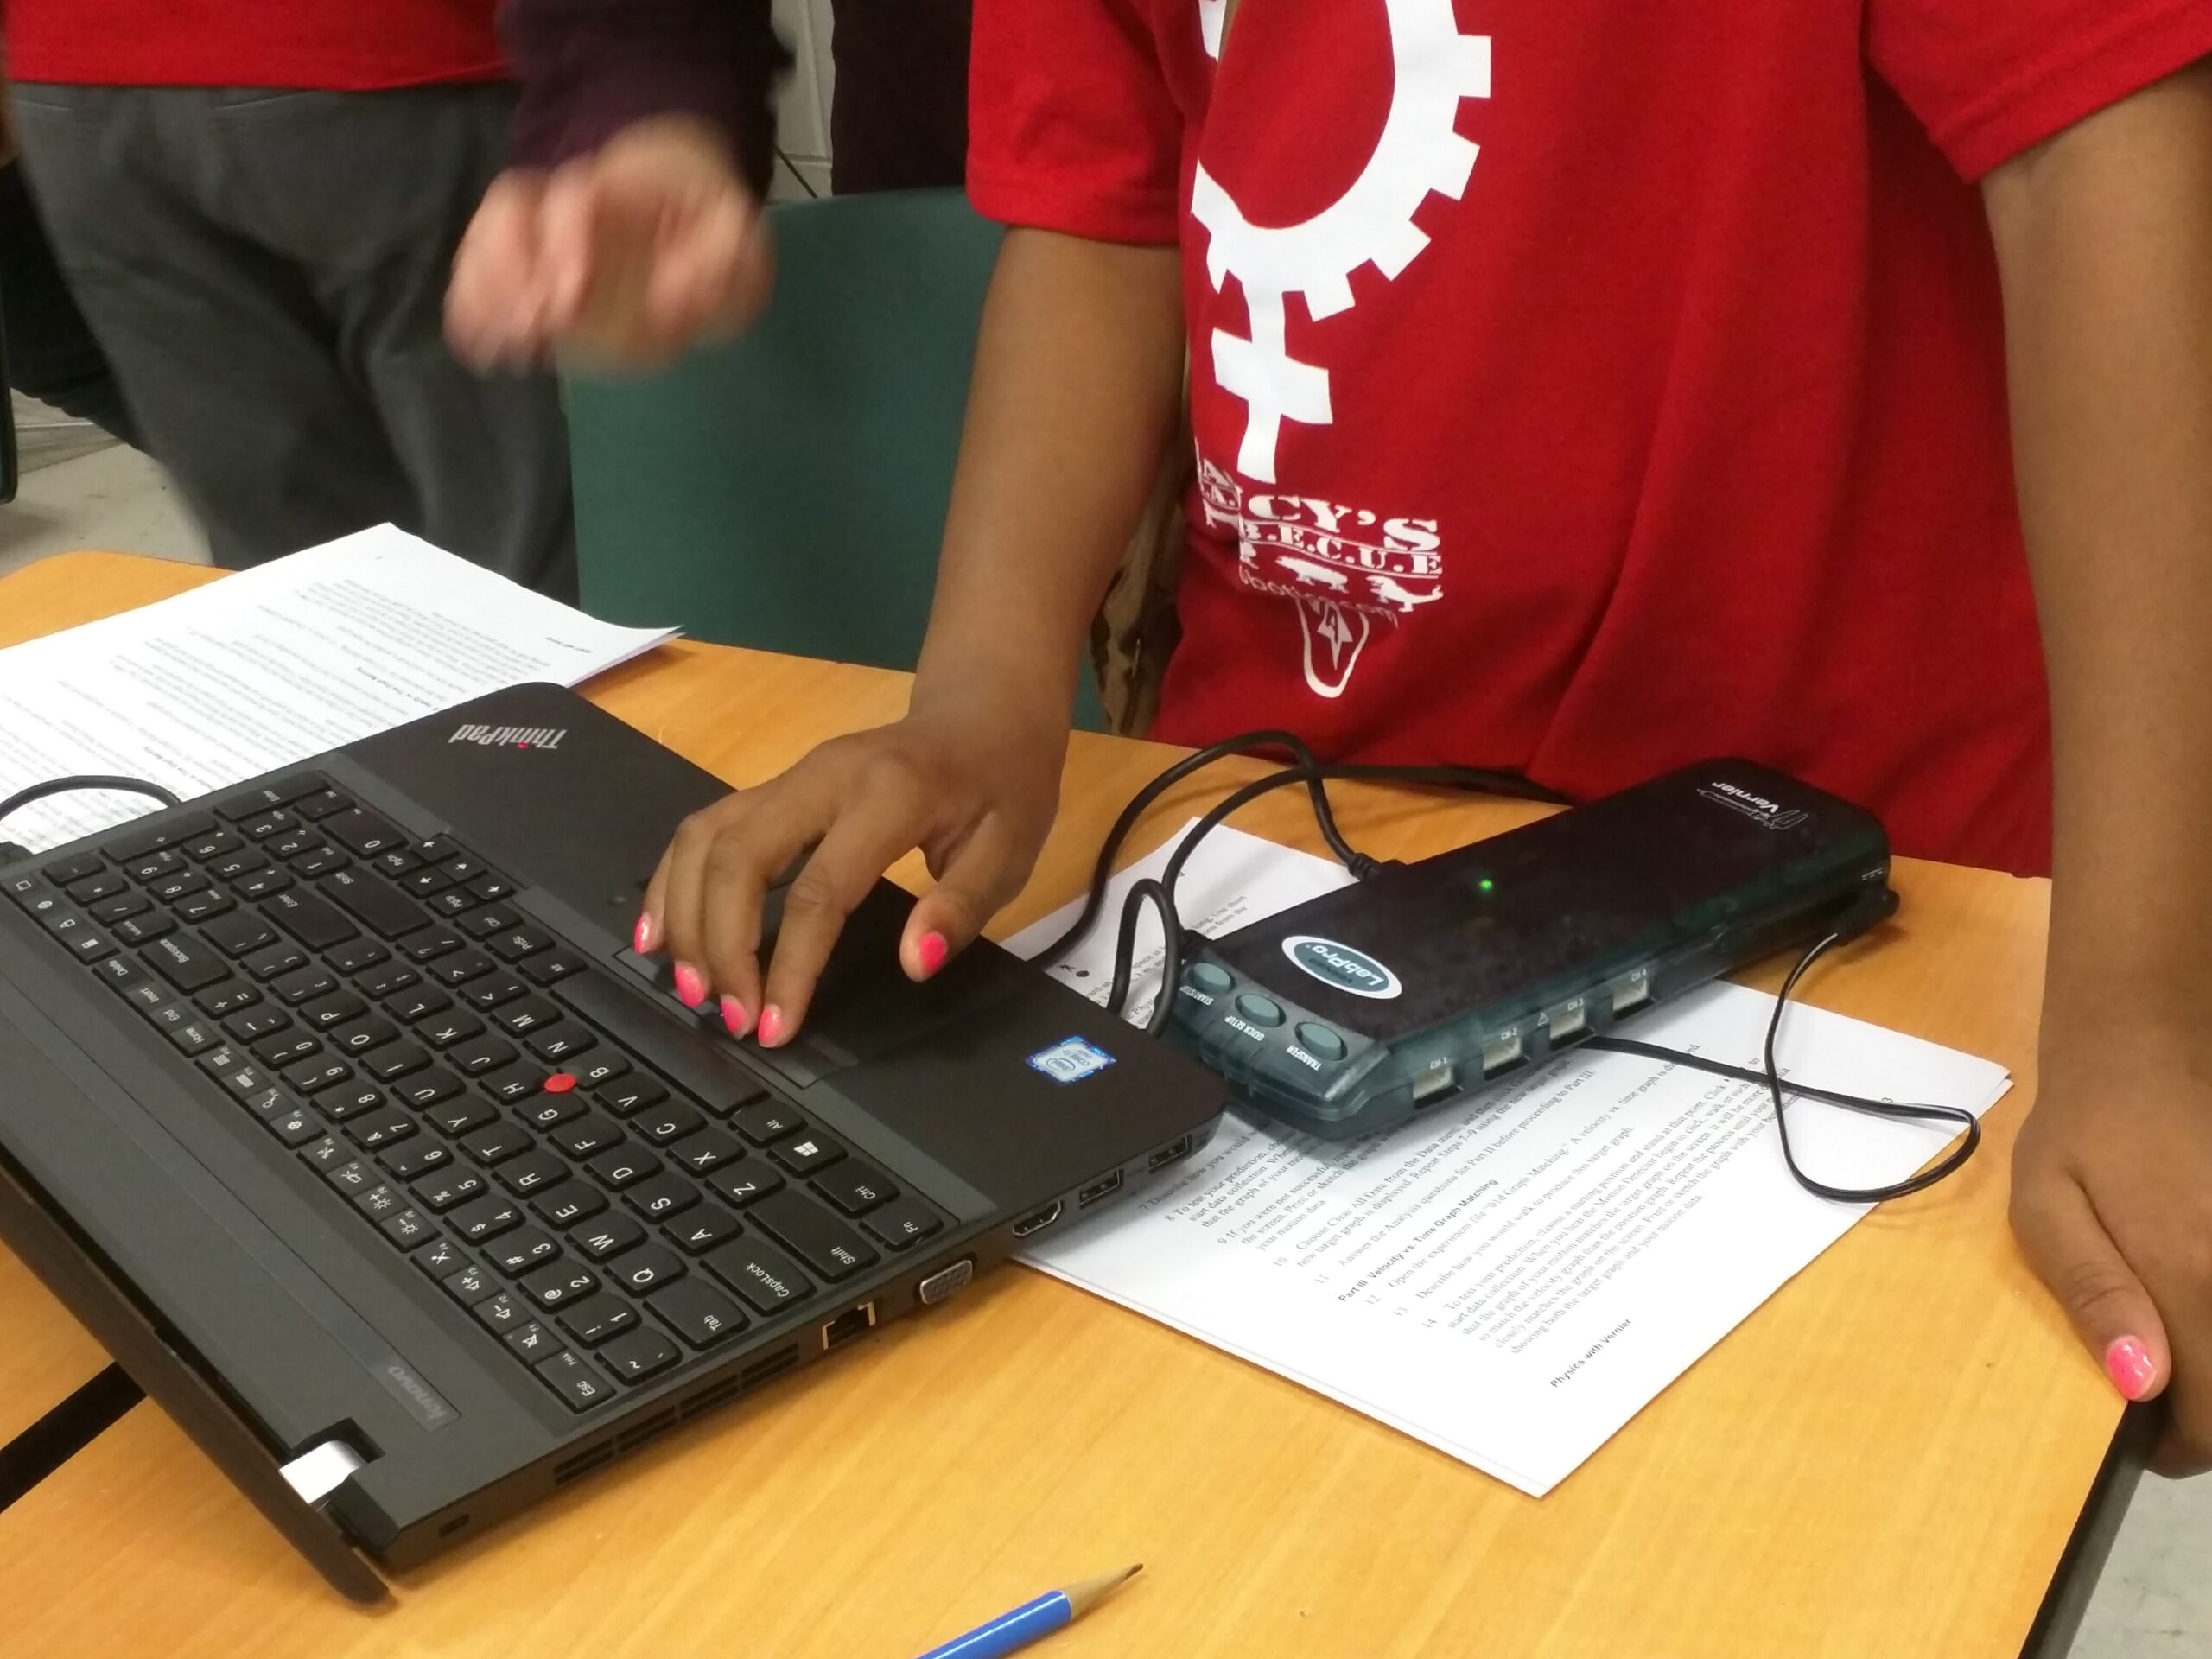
1434	66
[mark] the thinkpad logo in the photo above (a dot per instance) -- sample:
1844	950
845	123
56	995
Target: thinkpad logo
511	737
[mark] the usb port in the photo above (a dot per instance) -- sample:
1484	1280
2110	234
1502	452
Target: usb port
846	1326
1434	1085
1098	1190
1037	1222
1178	1148
1502	1056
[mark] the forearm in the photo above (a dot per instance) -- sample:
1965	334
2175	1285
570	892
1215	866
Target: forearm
2104	235
1077	381
587	68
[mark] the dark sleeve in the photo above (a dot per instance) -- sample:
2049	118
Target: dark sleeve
588	68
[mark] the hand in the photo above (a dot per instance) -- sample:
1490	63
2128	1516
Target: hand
622	258
972	786
2112	1202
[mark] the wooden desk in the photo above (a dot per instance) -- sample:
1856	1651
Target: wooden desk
1885	1459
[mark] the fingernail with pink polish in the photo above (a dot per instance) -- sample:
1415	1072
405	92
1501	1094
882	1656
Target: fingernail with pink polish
931	951
2128	1362
734	1016
772	1025
691	989
642	940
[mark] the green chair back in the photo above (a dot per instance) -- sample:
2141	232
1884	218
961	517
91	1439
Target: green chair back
787	491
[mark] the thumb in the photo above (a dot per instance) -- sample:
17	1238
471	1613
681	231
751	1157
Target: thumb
977	883
2068	1247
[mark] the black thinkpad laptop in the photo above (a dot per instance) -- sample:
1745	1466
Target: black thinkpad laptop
338	1107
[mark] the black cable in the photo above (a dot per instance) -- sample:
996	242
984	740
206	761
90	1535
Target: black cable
791	167
1776	1089
22	799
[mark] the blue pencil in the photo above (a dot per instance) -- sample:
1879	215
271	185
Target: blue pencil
1026	1623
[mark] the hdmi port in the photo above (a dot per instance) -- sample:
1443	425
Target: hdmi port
1042	1219
1098	1190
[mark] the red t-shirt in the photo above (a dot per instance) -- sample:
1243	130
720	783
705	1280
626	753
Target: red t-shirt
338	45
1589	388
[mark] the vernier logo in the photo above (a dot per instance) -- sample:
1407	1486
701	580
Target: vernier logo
1341	966
1772	814
511	737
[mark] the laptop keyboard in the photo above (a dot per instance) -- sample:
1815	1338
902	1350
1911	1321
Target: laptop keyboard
605	1192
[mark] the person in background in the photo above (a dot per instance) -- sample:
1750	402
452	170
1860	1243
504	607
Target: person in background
1615	387
257	203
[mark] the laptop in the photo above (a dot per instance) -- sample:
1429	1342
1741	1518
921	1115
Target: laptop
338	1109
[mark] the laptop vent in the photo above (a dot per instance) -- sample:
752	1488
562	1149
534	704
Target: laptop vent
638	1434
583	1462
774	1365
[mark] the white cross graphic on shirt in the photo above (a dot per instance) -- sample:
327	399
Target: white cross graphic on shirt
1276	387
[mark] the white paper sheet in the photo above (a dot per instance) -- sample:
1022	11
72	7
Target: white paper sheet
1512	1279
270	666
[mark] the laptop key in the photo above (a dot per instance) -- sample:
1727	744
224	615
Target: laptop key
277	792
395	1061
442	1257
559	1283
483	1218
308	1076
633	1095
459	1116
533	1342
121	908
854	1188
375	1129
202	905
154	866
362	1036
742	1183
420	1003
327	1153
647	1268
262	883
349	1100
548	1111
490	887
427	1088
233	867
554	966
286	1048
496	1142
254	1024
356	955
373	902
480	1054
140	930
472	1285
596	1319
696	1312
502	1314
310	919
77	869
380	1201
408	1229
701	1229
428	947
527	1015
523	1249
135	843
448	1188
454	1025
274	961
638	1354
763	1275
533	1171
805	1154
352	1177
587	1135
771	1121
574	1381
364	833
299	840
397	862
303	984
570	1202
902	1222
335	1009
662	1196
295	1128
425	881
416	1157
452	902
670	1121
387	978
320	804
514	1082
495	919
604	1066
554	1044
226	996
186	962
619	1166
598	1240
460	967
122	973
264	825
512	943
825	1244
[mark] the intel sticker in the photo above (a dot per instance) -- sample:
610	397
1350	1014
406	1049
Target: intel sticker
1072	1060
1341	966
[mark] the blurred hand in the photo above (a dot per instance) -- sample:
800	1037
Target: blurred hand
973	784
621	259
2112	1202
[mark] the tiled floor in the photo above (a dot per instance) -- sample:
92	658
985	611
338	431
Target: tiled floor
2155	1601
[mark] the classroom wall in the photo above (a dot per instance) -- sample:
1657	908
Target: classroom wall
803	110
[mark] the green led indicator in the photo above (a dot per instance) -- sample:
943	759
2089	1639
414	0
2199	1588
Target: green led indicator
1486	884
